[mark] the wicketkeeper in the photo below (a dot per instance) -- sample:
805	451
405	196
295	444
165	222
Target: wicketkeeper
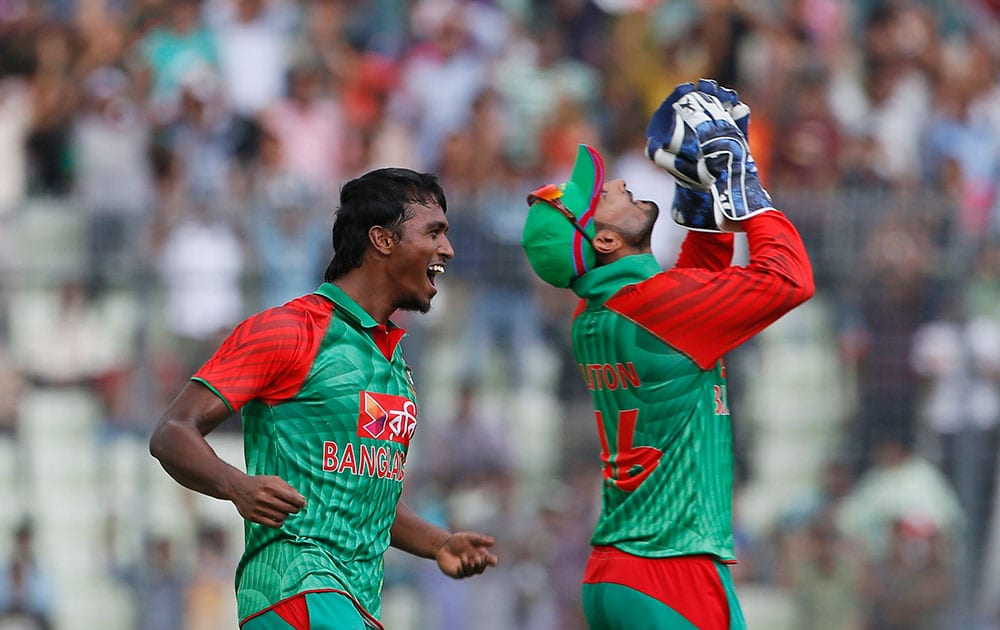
651	343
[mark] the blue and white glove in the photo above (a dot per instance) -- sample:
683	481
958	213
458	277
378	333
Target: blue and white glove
675	147
736	189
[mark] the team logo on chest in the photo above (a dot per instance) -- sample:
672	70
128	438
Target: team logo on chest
387	417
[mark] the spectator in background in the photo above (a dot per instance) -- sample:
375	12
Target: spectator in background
157	584
465	471
533	77
111	141
26	589
200	265
322	37
502	326
910	587
440	77
810	139
826	575
55	93
210	604
894	297
314	141
958	357
70	337
254	43
901	485
963	135
15	126
11	388
168	54
468	451
288	243
199	145
900	46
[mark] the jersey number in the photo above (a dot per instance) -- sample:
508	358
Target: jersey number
629	465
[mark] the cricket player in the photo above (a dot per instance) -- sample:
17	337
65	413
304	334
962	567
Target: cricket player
650	345
328	409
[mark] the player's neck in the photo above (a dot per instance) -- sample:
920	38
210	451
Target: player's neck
369	291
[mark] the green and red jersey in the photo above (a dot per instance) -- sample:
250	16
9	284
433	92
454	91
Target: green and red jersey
649	344
327	405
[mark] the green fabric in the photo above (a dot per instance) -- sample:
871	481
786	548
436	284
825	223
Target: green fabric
615	607
736	620
327	611
339	539
667	487
548	235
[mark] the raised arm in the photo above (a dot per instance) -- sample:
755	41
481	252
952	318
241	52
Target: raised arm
706	314
706	250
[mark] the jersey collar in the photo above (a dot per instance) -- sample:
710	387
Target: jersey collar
386	337
348	307
604	281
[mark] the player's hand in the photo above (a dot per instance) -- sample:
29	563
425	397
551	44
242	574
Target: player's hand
730	100
674	146
266	499
465	554
737	191
695	210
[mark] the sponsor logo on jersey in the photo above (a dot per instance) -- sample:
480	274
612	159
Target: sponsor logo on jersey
383	462
387	417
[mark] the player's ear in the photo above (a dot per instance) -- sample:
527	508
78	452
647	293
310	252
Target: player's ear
381	239
607	241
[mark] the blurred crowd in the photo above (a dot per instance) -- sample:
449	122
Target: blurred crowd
181	162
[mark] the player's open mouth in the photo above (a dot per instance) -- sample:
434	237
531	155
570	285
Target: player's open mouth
434	271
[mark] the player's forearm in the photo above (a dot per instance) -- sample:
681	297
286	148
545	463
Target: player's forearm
776	248
414	535
706	250
188	458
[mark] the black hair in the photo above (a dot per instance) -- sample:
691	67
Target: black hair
379	197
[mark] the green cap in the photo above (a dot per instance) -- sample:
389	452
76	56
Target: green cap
559	230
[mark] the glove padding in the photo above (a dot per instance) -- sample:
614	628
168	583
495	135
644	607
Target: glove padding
694	210
736	189
674	146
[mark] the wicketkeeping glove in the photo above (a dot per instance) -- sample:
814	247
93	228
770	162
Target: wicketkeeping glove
674	146
736	189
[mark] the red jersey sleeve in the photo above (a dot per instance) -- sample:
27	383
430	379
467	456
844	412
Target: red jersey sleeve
705	313
706	250
268	355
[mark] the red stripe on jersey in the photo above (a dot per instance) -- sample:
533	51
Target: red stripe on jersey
705	313
269	355
581	306
688	584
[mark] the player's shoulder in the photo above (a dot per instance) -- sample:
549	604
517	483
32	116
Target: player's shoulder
311	304
293	317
